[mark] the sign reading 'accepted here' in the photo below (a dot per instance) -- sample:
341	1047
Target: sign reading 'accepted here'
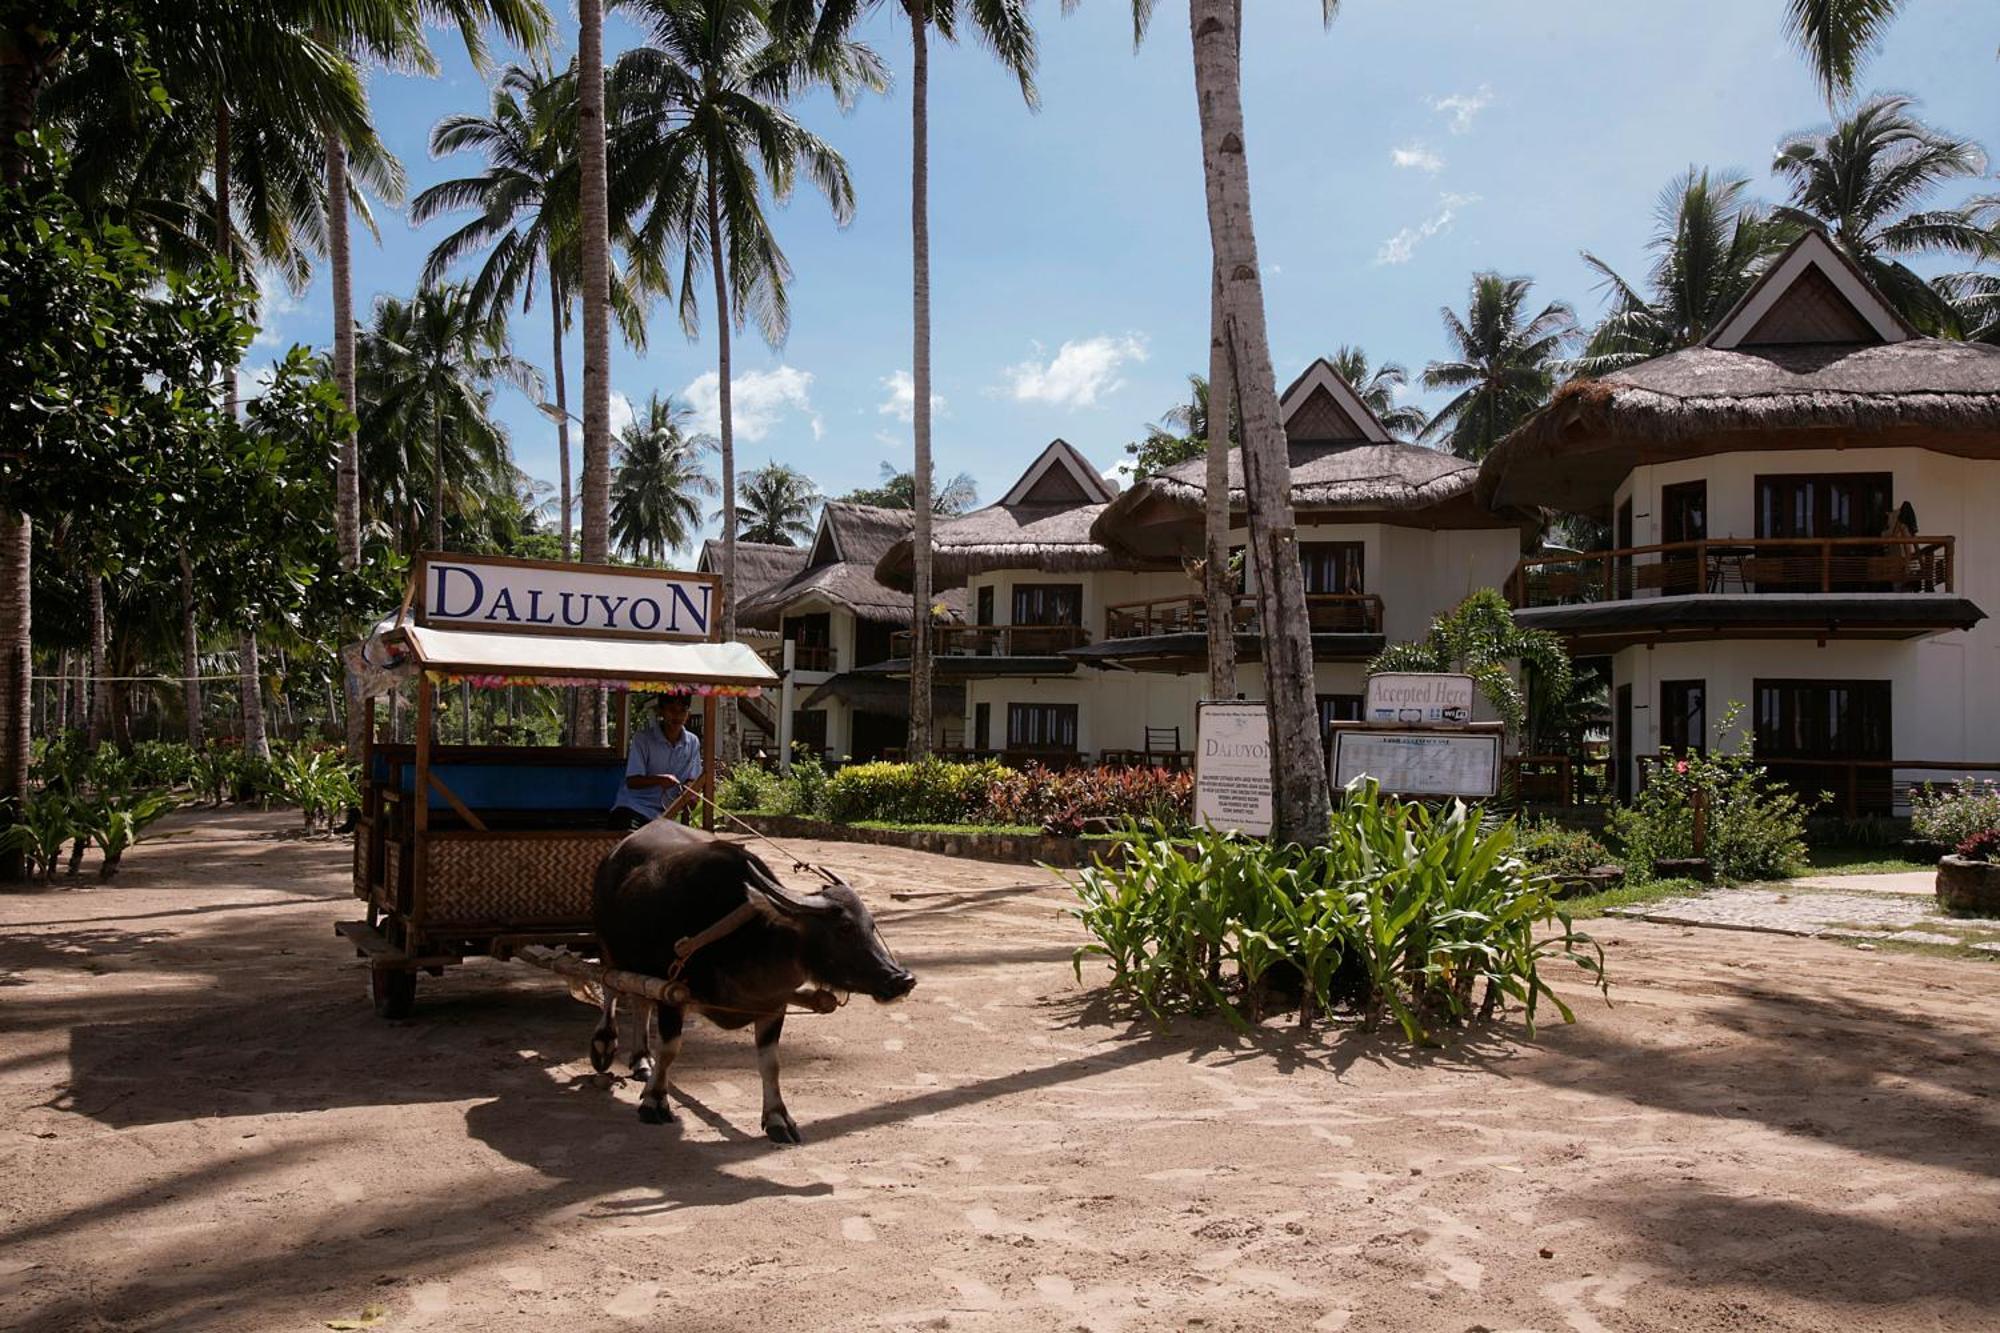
480	593
1232	766
1413	699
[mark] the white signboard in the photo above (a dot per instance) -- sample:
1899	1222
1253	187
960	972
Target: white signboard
492	593
1419	763
1418	700
1232	766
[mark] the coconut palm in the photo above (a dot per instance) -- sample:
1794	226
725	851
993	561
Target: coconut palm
1376	386
1239	337
1835	36
776	506
1505	367
1863	179
1709	245
426	372
594	250
528	200
654	490
1003	27
899	491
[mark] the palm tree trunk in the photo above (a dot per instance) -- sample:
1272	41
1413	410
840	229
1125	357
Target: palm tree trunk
17	660
100	689
191	656
558	312
437	481
731	737
1301	804
223	248
1217	586
596	284
256	742
347	480
920	374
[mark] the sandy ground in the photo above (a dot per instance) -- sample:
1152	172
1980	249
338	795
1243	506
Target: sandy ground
206	1128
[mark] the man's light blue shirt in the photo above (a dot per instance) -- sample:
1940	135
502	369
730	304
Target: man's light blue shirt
653	755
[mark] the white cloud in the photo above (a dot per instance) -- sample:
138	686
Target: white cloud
1399	248
902	400
621	413
1082	371
1463	108
1417	156
757	399
274	302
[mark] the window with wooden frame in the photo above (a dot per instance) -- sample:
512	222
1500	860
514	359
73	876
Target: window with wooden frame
1048	604
1041	727
1684	716
1332	567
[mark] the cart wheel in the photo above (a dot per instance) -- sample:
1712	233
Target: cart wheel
394	990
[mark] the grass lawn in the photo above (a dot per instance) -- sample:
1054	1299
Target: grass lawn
1860	861
1596	904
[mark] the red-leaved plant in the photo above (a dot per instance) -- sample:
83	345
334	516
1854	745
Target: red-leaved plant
1982	846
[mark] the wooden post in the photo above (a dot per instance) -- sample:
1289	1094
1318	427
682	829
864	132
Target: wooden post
708	762
420	793
1700	824
1826	566
623	717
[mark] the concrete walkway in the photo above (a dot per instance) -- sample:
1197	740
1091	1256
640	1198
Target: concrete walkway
1899	907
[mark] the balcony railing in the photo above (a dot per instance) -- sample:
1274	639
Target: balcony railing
1327	613
1738	565
996	640
807	657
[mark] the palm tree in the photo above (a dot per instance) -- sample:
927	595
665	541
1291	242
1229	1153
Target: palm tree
1506	364
1862	179
1376	386
1003	27
1835	35
776	506
1239	338
1709	245
426	372
899	491
711	132
594	213
529	203
654	508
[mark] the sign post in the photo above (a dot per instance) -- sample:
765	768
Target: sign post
1417	738
1232	765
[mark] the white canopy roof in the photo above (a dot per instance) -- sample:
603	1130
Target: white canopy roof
479	652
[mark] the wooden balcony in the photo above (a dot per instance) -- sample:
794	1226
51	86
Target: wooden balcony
807	657
1328	613
996	640
1852	565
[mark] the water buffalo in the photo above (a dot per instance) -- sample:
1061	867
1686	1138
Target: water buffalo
668	882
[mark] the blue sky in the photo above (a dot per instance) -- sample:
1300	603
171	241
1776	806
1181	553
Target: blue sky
1415	142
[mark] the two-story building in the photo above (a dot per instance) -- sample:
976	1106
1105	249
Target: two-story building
839	620
1087	634
1803	516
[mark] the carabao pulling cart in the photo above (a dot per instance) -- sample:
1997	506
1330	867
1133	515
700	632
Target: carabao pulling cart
470	850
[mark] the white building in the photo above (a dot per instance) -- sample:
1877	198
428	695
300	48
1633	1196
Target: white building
1749	483
1086	634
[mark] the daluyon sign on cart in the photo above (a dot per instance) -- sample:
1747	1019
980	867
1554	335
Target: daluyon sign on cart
533	596
1232	766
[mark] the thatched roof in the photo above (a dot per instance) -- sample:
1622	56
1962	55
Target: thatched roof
759	565
1043	523
1575	452
840	569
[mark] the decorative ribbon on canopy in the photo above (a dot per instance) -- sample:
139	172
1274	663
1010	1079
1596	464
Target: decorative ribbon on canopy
492	681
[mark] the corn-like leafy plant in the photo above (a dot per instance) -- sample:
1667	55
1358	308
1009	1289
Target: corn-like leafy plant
319	782
1415	906
48	821
116	823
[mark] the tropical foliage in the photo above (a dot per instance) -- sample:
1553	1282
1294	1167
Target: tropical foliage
658	482
776	506
1504	365
899	491
1479	638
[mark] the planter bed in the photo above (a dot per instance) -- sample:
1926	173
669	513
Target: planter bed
973	843
1968	888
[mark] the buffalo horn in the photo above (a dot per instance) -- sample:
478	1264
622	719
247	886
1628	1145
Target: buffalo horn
793	904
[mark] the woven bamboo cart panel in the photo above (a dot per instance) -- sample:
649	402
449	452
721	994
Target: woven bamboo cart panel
518	879
388	893
364	837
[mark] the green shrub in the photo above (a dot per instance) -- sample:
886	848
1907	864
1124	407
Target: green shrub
802	792
116	823
930	791
1551	849
1414	907
49	821
1949	816
319	782
748	786
1060	800
163	764
1756	827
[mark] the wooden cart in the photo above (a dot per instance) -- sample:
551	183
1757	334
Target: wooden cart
464	851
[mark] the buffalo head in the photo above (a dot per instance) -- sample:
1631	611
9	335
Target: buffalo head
838	939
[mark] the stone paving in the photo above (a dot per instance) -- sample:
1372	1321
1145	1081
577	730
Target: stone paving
1845	907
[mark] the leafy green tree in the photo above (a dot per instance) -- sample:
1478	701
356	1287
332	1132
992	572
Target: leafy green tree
1709	244
655	488
1864	180
1180	434
776	506
899	491
1505	364
1479	638
428	369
